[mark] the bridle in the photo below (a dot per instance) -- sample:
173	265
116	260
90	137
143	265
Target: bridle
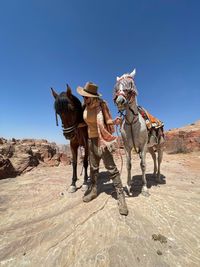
130	96
70	132
132	92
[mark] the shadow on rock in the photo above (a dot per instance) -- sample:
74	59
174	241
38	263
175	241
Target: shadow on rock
136	184
105	185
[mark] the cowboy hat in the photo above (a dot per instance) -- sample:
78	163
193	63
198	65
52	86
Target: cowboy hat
89	90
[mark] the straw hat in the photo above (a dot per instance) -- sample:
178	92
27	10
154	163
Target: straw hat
89	90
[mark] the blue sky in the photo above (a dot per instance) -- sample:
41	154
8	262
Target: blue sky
46	43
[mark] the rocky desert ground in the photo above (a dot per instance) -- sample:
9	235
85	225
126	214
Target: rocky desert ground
44	225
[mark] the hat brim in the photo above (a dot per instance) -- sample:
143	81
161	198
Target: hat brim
81	91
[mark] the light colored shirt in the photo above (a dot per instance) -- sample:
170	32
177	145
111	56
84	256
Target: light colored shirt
90	117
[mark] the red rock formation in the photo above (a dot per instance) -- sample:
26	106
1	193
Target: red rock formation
183	140
6	168
19	156
180	140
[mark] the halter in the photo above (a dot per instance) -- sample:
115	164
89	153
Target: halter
69	132
131	94
129	98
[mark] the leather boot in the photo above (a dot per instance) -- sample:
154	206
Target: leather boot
123	210
91	193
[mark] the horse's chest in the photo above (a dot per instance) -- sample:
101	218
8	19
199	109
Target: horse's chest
136	135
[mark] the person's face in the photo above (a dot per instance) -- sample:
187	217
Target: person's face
87	100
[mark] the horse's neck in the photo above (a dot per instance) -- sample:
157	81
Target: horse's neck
132	113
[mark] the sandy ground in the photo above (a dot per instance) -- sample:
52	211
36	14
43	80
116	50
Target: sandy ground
44	225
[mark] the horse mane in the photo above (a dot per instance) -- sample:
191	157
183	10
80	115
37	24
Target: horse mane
64	104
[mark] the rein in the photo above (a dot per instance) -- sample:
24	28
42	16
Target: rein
134	120
119	150
56	118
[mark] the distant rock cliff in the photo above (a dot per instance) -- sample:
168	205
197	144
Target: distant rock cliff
19	156
183	140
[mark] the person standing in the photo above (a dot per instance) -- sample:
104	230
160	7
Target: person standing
101	142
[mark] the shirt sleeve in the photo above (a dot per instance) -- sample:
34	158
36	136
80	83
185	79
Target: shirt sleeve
107	117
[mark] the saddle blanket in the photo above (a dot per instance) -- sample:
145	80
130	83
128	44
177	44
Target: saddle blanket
150	120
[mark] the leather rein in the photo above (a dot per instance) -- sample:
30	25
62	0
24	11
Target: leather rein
68	132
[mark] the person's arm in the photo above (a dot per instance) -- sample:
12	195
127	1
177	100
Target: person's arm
106	113
117	121
107	116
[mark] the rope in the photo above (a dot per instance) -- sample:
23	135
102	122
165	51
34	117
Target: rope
81	156
136	151
119	151
56	118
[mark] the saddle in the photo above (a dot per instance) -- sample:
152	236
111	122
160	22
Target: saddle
150	120
154	126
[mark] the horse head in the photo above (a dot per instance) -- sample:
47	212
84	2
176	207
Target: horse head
125	90
69	109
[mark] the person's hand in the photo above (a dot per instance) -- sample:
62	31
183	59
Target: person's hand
118	121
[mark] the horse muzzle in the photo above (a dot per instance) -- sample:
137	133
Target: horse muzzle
69	135
70	132
121	102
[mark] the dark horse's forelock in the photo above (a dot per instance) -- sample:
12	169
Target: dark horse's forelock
64	104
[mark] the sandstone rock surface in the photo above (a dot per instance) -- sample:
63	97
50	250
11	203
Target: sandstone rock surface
44	225
20	156
183	140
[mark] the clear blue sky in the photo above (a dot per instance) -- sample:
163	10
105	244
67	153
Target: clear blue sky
46	43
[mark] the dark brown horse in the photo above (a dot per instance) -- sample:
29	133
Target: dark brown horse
70	110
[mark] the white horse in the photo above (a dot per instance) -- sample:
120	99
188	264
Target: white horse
134	130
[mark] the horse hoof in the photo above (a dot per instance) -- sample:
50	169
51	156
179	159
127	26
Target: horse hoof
145	193
72	189
84	187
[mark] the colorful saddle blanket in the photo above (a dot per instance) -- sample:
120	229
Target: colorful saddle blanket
151	121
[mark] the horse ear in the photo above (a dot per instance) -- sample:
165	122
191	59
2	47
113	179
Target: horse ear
132	74
117	78
54	93
69	90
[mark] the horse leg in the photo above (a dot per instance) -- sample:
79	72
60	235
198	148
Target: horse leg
143	168
128	167
153	154
74	150
85	165
160	156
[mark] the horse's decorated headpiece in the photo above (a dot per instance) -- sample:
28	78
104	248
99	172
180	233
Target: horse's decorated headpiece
125	88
